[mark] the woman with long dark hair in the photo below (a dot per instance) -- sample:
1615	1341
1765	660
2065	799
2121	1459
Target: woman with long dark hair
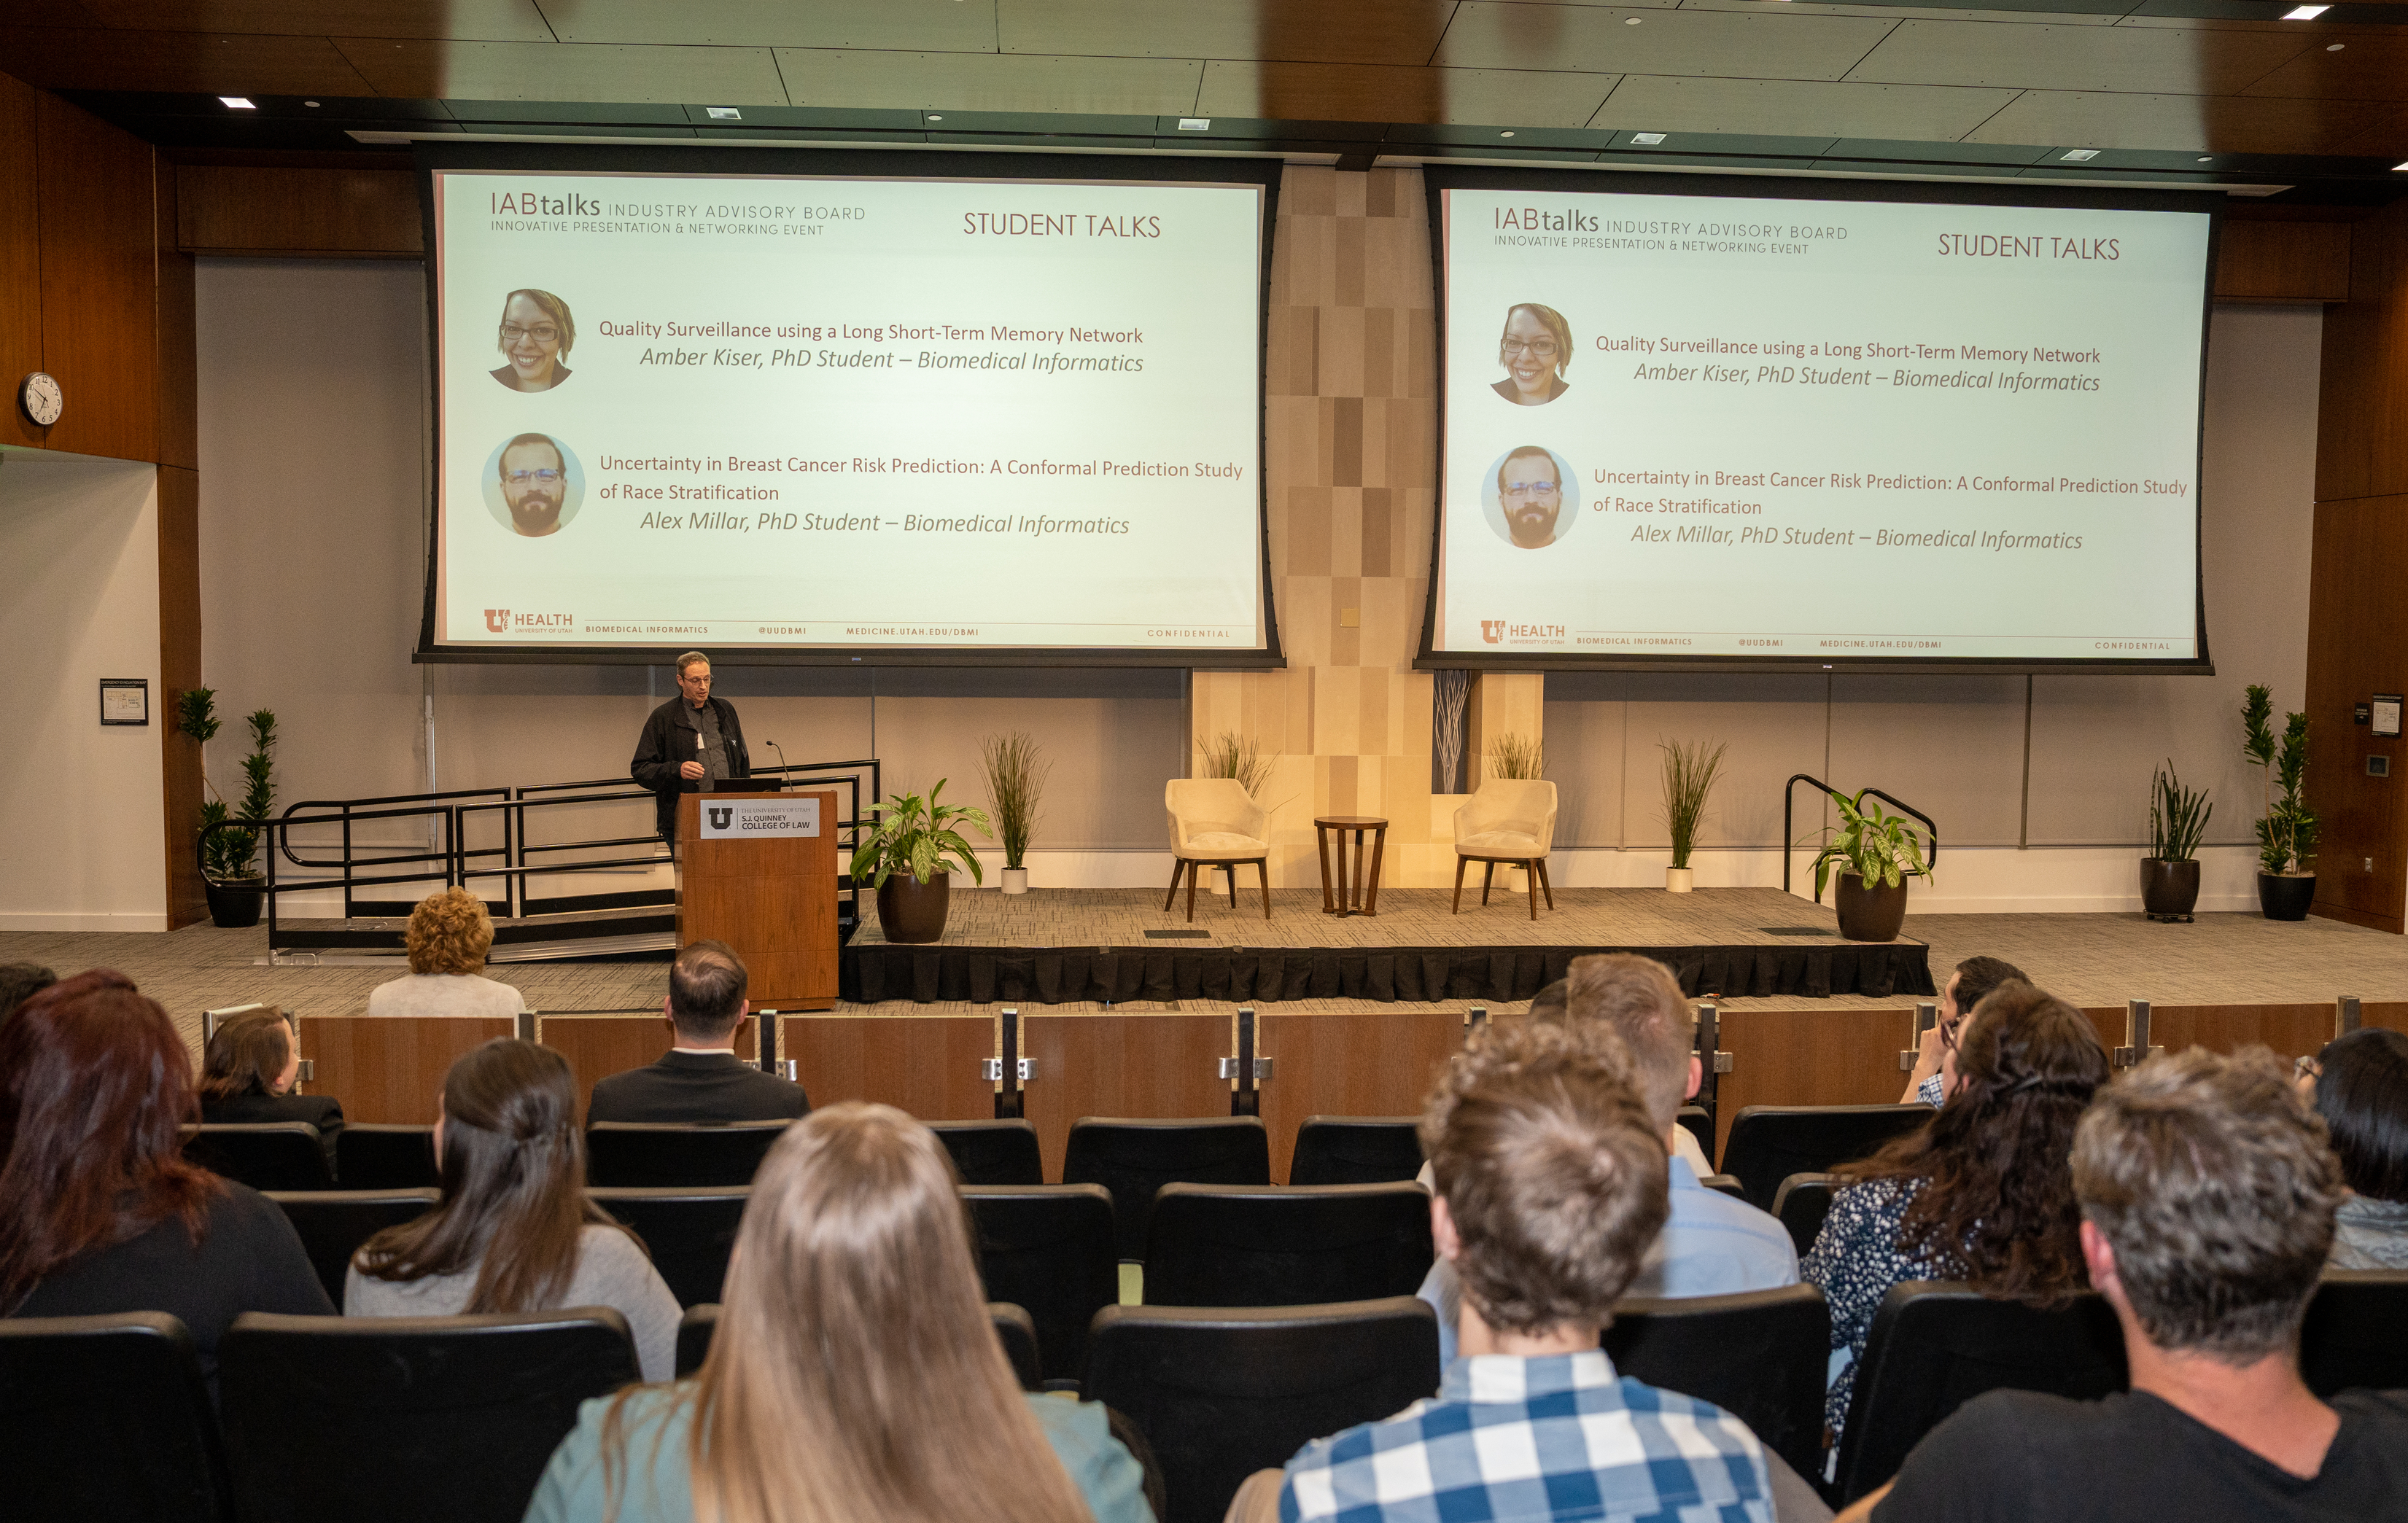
248	1074
1984	1193
99	1211
854	1377
2361	1091
514	1231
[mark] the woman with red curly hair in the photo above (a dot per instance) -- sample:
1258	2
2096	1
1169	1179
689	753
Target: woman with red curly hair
104	1214
448	936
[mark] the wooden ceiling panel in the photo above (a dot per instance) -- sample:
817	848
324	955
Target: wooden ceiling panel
992	82
2366	68
531	71
1597	39
1799	108
1895	13
2077	58
190	63
1305	31
2385	137
2209	124
496	20
1371	92
953	26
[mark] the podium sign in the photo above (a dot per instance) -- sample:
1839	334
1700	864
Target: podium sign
758	872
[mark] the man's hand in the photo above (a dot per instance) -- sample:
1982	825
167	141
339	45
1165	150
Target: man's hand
693	772
1927	1061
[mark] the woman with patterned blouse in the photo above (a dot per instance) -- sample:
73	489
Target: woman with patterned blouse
1982	1194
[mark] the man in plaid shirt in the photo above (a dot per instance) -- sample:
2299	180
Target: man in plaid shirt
1550	1186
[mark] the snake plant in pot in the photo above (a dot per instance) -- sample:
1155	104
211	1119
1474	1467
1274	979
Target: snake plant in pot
2286	833
2177	824
1874	853
907	857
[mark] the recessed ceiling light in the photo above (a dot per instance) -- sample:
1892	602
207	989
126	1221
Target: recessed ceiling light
2398	168
2304	13
1631	21
1195	123
2206	160
722	113
1649	139
312	104
238	102
2079	156
2335	47
1504	134
933	117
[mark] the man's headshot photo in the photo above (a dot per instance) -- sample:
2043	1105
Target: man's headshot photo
1531	498
534	485
537	335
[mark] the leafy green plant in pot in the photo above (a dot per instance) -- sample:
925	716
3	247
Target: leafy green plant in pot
229	855
1689	773
1874	853
909	856
1015	771
2177	823
2286	833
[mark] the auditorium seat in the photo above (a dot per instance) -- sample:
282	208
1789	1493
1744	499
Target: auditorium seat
1936	1345
104	1420
993	1152
1133	1159
1356	1150
700	1324
1770	1143
264	1155
696	1329
688	1232
1048	1248
1701	1122
333	1223
406	1418
1220	1393
1726	1184
375	1156
1801	1203
676	1153
1284	1245
2356	1332
1763	1357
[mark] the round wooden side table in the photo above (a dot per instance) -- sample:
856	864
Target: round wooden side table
1340	895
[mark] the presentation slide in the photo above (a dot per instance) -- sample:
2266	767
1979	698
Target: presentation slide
846	414
1710	427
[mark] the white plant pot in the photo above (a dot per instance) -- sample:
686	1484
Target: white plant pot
1015	880
1678	880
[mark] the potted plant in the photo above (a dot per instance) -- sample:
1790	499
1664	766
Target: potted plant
1875	853
907	857
1689	773
1516	755
1015	780
229	858
2177	824
1232	755
2286	833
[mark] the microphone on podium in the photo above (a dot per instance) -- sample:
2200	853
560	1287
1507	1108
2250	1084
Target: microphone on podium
782	764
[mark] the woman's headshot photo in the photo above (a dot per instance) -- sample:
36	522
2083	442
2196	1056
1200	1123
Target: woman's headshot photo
532	485
537	333
1536	351
1531	497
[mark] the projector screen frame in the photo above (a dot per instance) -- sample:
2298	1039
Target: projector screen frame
1438	179
865	164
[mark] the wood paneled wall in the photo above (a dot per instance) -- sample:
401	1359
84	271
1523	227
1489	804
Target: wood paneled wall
319	212
2283	261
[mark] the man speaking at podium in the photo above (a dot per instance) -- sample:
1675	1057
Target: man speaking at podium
689	740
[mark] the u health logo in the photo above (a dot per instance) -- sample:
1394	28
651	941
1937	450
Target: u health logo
497	620
1493	631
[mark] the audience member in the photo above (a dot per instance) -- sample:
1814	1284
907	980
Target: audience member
104	1214
854	1374
2207	1197
2362	1093
448	936
1551	1191
514	1231
22	981
248	1074
1979	1194
1711	1244
1936	1054
700	1079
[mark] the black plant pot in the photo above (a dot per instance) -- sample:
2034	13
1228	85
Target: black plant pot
911	913
236	905
2286	896
2168	889
1873	914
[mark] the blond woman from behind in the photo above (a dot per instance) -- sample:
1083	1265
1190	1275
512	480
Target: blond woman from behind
448	936
854	1376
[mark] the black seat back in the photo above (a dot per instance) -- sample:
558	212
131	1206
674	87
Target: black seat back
333	1223
1133	1159
104	1420
2356	1332
1770	1143
688	1232
700	1324
993	1152
374	1156
1724	1184
651	1155
1282	1246
1701	1122
264	1155
1936	1344
406	1418
1801	1203
1357	1151
1222	1393
1048	1249
1761	1357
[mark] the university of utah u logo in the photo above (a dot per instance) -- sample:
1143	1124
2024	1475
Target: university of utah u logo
720	817
497	620
1493	631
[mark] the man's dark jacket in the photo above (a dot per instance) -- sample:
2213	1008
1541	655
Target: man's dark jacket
696	1087
667	743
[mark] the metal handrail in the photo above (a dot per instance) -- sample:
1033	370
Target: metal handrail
1789	836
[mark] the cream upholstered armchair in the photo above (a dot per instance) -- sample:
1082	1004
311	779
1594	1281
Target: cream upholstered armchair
1214	822
1509	820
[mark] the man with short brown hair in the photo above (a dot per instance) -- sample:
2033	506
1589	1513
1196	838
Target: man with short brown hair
1935	1059
687	743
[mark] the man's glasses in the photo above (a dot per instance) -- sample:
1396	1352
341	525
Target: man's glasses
542	333
1531	489
1537	348
524	478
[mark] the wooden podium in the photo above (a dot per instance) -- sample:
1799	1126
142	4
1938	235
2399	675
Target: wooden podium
757	871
